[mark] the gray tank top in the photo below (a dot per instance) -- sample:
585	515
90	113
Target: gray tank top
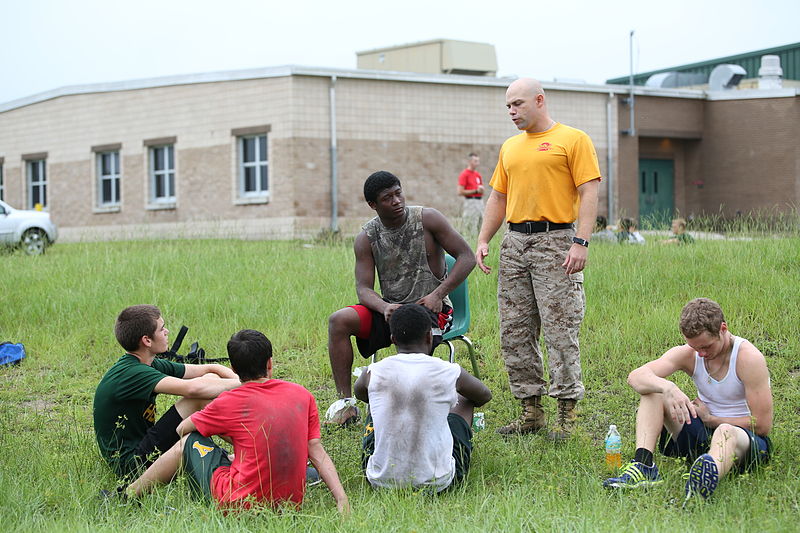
401	259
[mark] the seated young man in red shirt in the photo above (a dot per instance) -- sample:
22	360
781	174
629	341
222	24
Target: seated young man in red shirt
273	426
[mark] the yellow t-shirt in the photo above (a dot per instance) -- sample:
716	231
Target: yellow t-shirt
540	172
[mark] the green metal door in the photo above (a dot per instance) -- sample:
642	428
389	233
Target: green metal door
656	193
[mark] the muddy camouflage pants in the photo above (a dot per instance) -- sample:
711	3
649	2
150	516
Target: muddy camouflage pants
471	216
534	294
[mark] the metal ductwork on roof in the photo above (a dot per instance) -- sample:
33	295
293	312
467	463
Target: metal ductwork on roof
674	79
725	77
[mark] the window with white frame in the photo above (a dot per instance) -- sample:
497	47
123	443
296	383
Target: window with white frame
253	166
108	184
37	183
162	174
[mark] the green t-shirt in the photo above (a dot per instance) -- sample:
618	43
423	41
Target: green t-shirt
684	238
125	407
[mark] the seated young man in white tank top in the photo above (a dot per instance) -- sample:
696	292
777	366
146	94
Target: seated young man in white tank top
725	428
418	431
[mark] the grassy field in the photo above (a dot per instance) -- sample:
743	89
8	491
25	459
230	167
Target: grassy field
63	306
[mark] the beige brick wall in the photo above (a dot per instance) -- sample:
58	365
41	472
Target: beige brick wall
420	131
200	116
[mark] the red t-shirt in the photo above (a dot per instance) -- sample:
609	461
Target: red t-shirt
470	179
270	425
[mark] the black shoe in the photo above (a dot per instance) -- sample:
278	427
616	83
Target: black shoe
116	496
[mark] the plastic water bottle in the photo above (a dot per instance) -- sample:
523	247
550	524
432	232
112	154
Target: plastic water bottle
613	448
478	422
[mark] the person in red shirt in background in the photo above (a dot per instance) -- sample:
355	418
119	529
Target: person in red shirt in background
470	186
273	426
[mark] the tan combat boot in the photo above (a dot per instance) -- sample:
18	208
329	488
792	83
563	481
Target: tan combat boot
530	421
565	421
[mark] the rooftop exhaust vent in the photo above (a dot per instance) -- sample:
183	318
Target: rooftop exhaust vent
770	74
725	77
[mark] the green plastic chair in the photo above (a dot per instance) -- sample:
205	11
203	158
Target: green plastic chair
461	316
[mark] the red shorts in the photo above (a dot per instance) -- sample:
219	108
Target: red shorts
373	332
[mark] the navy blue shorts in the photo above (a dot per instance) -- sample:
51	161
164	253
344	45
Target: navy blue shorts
695	439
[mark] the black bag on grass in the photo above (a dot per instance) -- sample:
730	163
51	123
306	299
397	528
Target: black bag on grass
196	355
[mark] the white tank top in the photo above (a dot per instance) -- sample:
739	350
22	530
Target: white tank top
725	397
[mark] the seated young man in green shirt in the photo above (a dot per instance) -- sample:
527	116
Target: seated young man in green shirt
125	425
679	235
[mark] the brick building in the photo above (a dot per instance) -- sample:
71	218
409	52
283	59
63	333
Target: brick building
283	152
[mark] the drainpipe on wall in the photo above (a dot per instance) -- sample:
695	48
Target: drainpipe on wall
334	168
610	158
632	129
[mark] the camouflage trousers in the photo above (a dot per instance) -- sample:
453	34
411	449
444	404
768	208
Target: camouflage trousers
471	216
534	295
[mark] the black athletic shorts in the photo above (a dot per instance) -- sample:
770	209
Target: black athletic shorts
379	336
158	439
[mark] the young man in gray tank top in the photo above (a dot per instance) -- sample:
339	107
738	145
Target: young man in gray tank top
725	428
405	246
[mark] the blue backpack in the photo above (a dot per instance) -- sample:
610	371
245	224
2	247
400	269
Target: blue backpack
11	353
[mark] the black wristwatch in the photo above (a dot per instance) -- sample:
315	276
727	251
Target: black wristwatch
582	242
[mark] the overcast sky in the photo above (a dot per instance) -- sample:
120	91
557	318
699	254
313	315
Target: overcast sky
46	44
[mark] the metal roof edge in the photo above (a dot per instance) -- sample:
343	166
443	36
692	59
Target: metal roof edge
751	94
295	70
642	90
147	83
392	75
417	43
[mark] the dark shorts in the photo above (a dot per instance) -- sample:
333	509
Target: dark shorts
201	456
462	445
158	439
695	439
374	332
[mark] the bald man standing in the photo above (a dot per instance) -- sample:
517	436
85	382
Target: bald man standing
546	177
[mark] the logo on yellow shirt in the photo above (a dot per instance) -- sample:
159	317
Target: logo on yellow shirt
202	449
544	147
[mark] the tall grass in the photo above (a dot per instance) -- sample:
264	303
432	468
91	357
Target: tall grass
767	222
63	306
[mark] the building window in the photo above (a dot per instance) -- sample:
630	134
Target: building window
253	166
108	193
37	183
162	174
